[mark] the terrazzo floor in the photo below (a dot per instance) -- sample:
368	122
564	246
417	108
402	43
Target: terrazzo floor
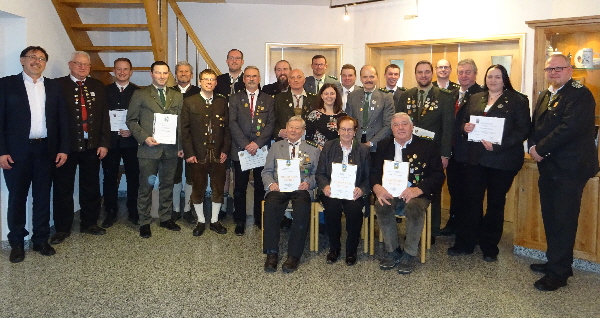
174	274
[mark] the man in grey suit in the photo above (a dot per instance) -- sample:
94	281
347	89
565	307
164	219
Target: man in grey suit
314	83
251	122
372	108
346	86
276	201
155	159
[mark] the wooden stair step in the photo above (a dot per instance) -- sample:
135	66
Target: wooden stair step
103	3
116	48
110	69
109	27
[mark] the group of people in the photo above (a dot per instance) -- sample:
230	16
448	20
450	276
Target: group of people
49	127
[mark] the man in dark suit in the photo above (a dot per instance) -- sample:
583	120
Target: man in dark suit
89	134
282	73
295	102
251	124
430	109
347	83
155	159
232	82
443	69
467	75
122	145
372	108
314	82
425	178
277	201
184	73
206	144
562	143
33	140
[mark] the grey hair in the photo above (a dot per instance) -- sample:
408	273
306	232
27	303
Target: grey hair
402	114
469	62
298	118
180	63
252	67
568	60
74	54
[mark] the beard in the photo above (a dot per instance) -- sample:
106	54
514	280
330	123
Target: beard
282	82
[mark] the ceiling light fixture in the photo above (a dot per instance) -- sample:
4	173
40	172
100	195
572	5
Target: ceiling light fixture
346	16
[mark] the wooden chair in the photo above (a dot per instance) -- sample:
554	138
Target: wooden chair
313	228
425	242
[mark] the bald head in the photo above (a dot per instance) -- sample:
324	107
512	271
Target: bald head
297	80
368	77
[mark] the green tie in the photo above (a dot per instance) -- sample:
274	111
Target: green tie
365	121
421	96
162	97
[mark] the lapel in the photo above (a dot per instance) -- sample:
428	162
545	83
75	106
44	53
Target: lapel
154	95
541	107
169	94
22	91
502	100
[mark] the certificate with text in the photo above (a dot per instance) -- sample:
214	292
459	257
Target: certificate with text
395	177
165	128
343	180
487	128
117	119
288	174
248	161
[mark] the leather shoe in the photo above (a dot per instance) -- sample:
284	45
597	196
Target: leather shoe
458	251
109	221
290	265
145	231
549	283
490	258
218	227
170	225
271	262
189	217
351	259
94	230
17	253
333	256
240	229
199	229
59	237
540	268
44	249
133	219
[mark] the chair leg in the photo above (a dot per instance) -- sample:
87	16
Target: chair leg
317	224
428	222
423	243
313	213
262	225
372	231
365	235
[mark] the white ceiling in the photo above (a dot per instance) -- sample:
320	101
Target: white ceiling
325	3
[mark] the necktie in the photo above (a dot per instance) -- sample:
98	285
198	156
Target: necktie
366	111
84	115
121	89
298	100
252	105
391	91
461	95
318	86
163	100
421	97
293	144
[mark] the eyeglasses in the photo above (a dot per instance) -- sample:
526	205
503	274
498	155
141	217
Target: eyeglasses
33	57
236	58
85	65
319	65
208	79
347	130
443	67
555	69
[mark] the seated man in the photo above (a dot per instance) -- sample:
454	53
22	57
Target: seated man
425	177
276	201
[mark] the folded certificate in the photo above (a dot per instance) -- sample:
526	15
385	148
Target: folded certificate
487	128
248	161
417	131
165	128
288	174
395	177
343	179
117	119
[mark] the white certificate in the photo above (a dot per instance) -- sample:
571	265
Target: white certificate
343	179
117	119
395	177
247	161
417	131
487	128
288	174
165	128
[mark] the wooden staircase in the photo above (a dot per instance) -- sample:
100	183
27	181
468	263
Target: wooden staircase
78	31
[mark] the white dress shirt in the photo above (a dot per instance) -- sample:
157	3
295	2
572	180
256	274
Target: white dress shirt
36	94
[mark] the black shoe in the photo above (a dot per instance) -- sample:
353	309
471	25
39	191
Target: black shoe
540	268
134	219
351	259
17	253
286	223
240	229
271	262
218	227
199	229
390	260
145	231
458	251
170	225
94	230
44	249
175	216
290	265
333	256
549	283
490	258
59	237
190	217
109	221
